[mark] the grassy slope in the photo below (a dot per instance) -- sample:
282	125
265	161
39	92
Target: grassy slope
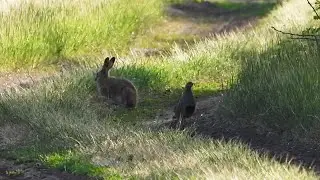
62	115
40	33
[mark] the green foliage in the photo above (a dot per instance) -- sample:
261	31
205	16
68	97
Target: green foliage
77	164
316	29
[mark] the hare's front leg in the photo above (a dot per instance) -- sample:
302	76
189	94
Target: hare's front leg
104	95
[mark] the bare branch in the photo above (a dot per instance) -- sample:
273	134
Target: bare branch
304	38
292	34
314	9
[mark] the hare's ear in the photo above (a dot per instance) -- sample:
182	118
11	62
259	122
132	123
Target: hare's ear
106	62
111	62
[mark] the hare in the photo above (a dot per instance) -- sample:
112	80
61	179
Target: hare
120	91
185	107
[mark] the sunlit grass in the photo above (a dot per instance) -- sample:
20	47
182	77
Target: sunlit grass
39	33
62	113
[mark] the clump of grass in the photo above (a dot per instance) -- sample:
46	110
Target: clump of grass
14	173
77	164
281	85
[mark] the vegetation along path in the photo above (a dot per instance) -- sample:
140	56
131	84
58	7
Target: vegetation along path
256	90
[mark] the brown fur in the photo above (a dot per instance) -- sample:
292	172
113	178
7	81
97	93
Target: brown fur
119	90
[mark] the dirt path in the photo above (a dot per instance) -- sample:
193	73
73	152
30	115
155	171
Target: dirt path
20	80
190	22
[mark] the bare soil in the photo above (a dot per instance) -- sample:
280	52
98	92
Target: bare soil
17	80
190	22
206	19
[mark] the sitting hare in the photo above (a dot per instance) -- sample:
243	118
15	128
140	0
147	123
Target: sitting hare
120	91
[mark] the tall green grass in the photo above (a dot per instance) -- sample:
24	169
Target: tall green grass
44	32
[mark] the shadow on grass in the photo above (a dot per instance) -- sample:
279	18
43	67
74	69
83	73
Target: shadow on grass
272	107
218	125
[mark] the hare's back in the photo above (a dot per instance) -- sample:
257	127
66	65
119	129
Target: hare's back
120	83
128	84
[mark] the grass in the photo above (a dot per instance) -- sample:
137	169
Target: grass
72	162
42	33
45	33
275	80
69	130
278	87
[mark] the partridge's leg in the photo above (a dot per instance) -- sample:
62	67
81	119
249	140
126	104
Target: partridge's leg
179	120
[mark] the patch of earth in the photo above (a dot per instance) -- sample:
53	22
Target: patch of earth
202	113
206	18
207	120
26	79
20	80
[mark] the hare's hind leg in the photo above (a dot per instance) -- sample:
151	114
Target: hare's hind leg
129	97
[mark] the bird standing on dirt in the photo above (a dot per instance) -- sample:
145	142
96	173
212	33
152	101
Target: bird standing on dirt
185	107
